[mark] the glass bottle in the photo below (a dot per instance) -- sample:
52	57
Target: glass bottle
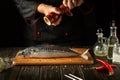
116	54
112	40
100	47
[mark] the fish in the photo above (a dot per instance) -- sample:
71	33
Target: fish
47	51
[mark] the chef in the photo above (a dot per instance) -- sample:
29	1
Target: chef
77	28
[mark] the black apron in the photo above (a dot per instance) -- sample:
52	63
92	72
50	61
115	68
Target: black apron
78	29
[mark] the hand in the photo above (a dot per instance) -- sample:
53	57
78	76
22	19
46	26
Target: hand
57	22
72	3
47	9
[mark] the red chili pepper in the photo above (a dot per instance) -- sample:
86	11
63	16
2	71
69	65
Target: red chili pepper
109	68
103	67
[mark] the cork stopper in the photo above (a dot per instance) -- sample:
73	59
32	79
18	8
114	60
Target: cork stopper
113	23
99	32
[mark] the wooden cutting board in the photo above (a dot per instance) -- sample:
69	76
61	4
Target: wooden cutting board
20	60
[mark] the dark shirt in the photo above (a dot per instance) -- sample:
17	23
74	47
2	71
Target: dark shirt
79	29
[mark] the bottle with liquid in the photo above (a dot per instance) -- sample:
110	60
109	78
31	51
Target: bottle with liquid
112	40
100	47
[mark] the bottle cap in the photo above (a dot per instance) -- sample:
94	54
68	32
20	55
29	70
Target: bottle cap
99	32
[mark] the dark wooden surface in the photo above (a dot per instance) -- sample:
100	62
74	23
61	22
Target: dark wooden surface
52	72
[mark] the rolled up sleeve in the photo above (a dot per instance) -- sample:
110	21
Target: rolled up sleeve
27	7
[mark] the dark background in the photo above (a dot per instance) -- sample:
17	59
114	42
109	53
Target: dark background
12	24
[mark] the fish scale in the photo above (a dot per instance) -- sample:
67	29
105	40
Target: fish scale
47	51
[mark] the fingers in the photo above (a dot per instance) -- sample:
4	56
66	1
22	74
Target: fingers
57	22
72	3
46	9
65	2
68	3
79	2
50	9
56	10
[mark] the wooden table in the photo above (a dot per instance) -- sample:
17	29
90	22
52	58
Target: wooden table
52	72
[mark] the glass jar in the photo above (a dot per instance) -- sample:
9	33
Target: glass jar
100	47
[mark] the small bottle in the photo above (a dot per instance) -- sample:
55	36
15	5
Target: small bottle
112	40
100	47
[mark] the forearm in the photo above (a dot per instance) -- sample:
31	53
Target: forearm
27	8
